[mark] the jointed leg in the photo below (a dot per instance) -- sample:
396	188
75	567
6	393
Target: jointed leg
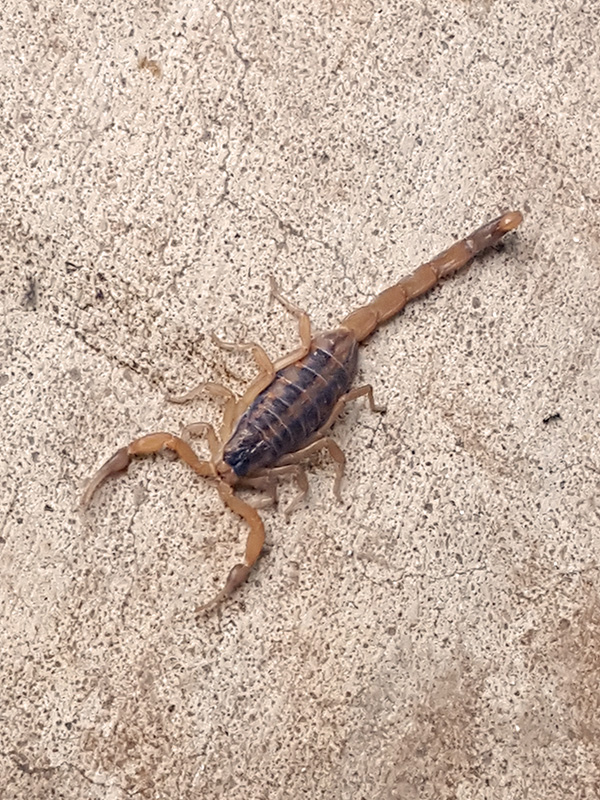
205	429
266	367
304	328
263	483
267	480
334	451
265	375
152	443
353	394
287	304
218	391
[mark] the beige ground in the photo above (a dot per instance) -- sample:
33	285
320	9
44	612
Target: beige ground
438	634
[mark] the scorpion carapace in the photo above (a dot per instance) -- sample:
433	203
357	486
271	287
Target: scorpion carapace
287	411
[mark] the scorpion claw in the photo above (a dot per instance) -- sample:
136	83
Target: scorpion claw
236	577
116	463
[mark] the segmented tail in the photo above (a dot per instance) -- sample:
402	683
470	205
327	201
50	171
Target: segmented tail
366	319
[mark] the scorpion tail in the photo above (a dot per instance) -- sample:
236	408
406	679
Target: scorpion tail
153	443
366	319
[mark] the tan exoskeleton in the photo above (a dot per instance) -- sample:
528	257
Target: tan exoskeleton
287	411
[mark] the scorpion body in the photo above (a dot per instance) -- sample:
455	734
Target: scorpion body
287	411
286	414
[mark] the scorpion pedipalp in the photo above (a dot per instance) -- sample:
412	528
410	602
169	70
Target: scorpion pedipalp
146	445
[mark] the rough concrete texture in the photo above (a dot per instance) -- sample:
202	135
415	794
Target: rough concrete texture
437	635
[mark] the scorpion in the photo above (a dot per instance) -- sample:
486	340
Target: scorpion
286	413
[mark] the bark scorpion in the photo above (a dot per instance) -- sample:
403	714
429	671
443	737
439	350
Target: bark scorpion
286	413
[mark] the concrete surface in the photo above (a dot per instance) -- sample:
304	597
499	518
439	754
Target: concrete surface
438	634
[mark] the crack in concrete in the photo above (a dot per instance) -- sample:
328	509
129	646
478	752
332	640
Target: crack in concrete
289	228
21	764
224	196
245	62
236	42
421	575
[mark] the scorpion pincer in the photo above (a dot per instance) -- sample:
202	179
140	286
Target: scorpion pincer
286	413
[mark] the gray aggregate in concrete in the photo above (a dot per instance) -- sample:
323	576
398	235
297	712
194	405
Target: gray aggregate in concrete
437	635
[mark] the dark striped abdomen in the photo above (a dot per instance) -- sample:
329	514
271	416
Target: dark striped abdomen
297	403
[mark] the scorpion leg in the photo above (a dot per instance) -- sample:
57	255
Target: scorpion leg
334	451
267	478
263	483
353	394
215	390
304	328
265	376
205	429
300	474
267	369
152	443
254	543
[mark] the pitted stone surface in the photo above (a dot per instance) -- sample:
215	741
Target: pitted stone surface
438	634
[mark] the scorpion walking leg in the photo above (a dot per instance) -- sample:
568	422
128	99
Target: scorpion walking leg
265	375
254	543
267	480
205	429
353	394
215	390
267	368
263	483
304	328
334	451
152	443
300	474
